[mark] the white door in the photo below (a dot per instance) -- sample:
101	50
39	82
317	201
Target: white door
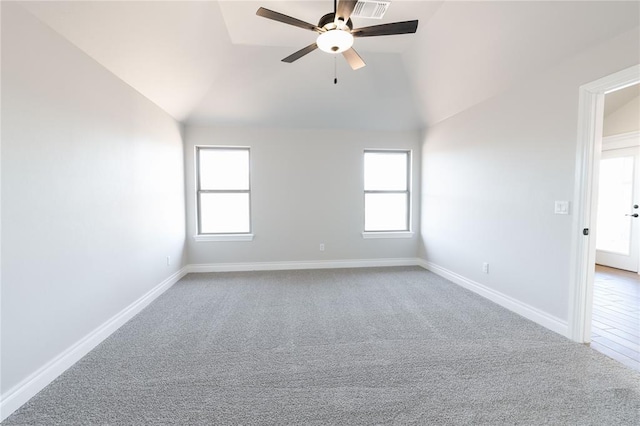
618	224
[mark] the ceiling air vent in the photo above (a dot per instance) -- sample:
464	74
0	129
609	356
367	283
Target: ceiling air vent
370	9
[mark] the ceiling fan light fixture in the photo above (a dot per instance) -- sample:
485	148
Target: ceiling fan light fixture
335	41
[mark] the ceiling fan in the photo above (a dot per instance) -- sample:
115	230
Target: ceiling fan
336	32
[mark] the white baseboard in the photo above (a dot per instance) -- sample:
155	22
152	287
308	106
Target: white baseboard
26	389
534	314
310	264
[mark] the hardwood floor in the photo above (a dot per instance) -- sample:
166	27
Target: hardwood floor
616	315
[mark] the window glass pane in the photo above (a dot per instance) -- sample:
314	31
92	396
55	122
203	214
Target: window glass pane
224	169
224	213
615	198
385	171
385	212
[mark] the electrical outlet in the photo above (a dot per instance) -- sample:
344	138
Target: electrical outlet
485	267
168	260
321	246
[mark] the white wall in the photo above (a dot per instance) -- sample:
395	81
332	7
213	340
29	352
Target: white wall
625	119
306	190
491	175
93	195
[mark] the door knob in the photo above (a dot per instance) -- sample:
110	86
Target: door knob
635	206
632	215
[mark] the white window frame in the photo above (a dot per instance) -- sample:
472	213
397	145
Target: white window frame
235	236
406	233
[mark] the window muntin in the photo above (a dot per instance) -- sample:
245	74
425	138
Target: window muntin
387	191
223	190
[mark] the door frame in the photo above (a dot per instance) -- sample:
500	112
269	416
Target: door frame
589	146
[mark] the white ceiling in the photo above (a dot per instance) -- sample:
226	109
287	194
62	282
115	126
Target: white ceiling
217	62
471	51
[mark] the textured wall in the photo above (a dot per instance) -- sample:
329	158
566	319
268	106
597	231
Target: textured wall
307	189
92	195
491	175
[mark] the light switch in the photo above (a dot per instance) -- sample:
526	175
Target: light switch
562	207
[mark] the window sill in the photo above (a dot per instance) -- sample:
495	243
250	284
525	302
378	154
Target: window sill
223	237
401	234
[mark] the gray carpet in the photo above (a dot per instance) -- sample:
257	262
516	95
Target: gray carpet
334	347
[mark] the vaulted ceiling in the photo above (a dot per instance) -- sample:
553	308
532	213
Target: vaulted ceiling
216	62
616	100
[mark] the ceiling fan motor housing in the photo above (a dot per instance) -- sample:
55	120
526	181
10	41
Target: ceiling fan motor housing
328	22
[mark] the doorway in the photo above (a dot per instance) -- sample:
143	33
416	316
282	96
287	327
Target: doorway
615	321
588	164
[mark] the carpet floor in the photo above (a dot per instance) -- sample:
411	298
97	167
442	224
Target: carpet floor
334	347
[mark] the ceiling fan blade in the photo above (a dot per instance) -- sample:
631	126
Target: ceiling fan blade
406	27
277	16
354	60
345	9
300	53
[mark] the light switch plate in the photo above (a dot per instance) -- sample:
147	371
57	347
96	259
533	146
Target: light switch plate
562	207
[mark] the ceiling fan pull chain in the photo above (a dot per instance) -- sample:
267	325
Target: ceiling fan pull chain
335	70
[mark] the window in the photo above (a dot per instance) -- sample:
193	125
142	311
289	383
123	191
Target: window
386	191
224	195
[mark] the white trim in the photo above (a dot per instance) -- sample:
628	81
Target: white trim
223	237
27	388
400	234
307	264
534	314
623	140
589	146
